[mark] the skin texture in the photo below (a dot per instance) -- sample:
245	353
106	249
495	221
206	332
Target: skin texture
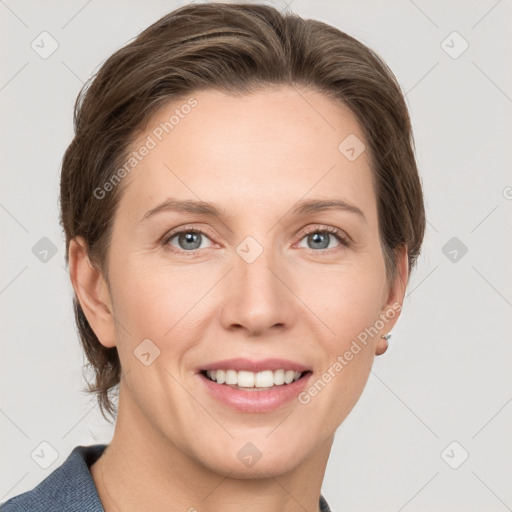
174	446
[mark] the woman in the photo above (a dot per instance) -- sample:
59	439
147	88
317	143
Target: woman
242	211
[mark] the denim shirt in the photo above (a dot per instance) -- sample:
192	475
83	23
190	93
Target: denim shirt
70	487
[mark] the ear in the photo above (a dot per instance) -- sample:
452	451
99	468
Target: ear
92	292
392	307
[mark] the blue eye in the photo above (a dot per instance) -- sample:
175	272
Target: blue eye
188	240
321	239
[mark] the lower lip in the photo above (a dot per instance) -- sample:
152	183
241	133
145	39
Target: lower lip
255	401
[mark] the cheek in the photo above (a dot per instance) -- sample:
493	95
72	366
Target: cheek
351	308
346	299
147	307
149	295
160	303
348	302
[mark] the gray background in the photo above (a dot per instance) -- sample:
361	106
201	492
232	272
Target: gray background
446	376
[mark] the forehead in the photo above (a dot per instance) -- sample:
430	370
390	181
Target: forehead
267	148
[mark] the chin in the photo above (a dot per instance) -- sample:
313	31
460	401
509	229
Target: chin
262	469
250	462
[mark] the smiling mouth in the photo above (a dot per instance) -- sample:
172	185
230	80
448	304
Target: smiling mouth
254	381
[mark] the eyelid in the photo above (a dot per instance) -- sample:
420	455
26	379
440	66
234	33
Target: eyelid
186	229
329	229
189	227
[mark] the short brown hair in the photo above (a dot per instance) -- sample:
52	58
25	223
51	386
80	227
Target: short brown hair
235	48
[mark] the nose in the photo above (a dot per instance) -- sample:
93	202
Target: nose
258	296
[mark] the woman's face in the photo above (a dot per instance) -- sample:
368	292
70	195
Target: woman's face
264	278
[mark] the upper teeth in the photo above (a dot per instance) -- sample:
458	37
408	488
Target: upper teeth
264	379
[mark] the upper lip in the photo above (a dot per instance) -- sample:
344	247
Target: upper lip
241	364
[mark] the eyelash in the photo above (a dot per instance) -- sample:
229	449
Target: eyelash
340	235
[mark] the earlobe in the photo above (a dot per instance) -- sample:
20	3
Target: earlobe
92	292
382	344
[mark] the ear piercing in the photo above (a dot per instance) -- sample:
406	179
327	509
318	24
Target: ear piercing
386	336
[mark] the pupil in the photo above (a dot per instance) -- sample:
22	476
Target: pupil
320	237
191	238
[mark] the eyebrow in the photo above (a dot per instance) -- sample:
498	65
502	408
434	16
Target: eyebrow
316	205
187	206
204	208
